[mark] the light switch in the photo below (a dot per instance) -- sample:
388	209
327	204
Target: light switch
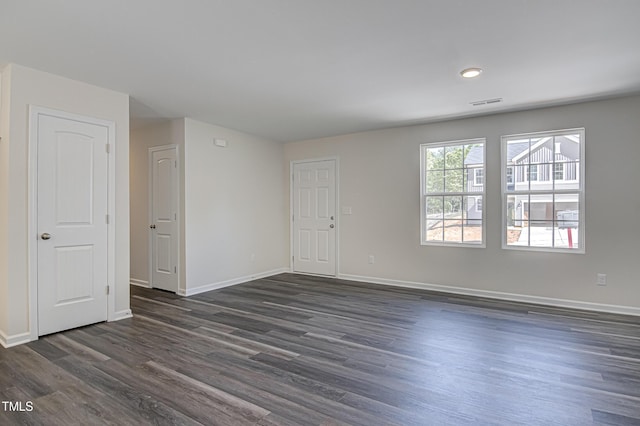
346	210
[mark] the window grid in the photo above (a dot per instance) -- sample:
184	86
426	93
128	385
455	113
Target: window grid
449	194
565	201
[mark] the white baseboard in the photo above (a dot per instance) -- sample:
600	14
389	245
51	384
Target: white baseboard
538	300
120	315
15	340
139	283
227	283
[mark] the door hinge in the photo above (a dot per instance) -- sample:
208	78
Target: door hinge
175	164
292	259
108	290
108	148
106	219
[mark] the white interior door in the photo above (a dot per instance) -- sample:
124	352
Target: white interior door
164	218
72	206
314	212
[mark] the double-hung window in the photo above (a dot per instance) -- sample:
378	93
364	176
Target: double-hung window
543	191
452	176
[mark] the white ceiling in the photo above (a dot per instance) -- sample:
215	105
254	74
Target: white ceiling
299	69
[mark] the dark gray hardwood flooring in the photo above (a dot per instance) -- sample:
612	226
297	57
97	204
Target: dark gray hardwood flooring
299	350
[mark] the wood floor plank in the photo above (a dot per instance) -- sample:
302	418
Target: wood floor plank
302	350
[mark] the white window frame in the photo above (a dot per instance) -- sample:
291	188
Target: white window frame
479	201
465	193
554	191
475	176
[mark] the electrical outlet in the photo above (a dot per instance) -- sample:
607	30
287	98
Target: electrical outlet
601	279
253	257
372	259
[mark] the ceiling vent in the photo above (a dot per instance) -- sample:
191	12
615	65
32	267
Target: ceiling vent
486	102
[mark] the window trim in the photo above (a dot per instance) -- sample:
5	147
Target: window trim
580	191
466	193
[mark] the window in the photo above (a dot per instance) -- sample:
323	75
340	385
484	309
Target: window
543	194
478	177
452	191
558	171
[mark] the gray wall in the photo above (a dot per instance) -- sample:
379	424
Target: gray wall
379	179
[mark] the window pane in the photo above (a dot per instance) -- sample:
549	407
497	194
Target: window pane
567	216
454	180
510	177
434	215
478	179
453	207
520	182
517	220
453	231
540	234
435	233
572	173
435	181
472	219
435	158
434	206
454	156
558	171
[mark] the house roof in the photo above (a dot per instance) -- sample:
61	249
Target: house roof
476	153
515	149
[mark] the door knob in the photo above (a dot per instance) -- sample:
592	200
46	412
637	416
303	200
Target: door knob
152	227
331	226
45	236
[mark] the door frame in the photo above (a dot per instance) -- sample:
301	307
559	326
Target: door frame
32	207
152	149
292	165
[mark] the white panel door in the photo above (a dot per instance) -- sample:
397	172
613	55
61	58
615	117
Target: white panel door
314	224
72	190
164	218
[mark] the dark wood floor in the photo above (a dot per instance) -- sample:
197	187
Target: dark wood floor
292	350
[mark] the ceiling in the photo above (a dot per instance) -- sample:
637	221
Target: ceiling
299	69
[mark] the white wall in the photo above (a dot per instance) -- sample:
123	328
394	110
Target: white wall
379	179
234	207
5	78
31	87
157	134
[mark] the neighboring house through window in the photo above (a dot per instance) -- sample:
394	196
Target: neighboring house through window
509	175
558	171
478	177
543	191
452	191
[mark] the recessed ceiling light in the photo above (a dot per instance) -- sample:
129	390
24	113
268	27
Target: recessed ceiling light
471	72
